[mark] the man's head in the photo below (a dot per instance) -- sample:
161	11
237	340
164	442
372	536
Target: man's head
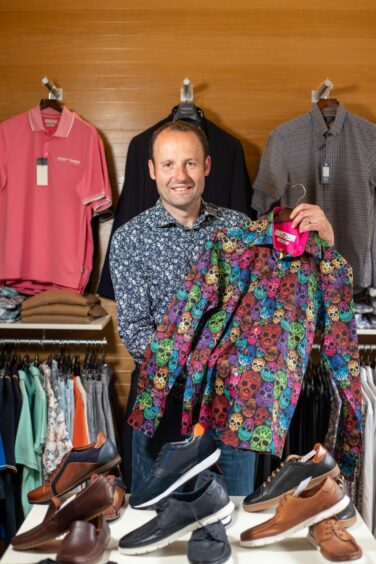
179	162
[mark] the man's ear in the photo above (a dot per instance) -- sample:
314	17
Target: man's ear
207	165
151	169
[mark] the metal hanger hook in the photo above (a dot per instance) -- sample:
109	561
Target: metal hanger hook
304	192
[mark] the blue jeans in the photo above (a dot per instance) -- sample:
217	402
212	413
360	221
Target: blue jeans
238	465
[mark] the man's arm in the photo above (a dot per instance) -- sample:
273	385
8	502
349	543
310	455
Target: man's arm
133	307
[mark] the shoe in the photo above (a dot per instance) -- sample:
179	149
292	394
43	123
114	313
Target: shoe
76	467
112	513
317	464
86	505
176	464
198	481
347	517
296	511
335	543
209	545
85	542
177	515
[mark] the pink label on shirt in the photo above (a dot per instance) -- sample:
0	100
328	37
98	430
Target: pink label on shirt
287	238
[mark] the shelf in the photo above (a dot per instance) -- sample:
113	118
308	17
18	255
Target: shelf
366	332
97	325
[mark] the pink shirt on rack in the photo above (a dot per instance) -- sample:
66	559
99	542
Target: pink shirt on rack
45	231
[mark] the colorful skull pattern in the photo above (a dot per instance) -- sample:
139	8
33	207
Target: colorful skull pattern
241	330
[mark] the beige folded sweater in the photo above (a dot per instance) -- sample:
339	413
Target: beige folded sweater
59	297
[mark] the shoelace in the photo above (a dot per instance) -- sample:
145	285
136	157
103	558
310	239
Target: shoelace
273	475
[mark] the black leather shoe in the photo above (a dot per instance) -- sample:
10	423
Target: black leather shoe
288	476
177	515
176	464
348	515
209	545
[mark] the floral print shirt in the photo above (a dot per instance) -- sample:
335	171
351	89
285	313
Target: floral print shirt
240	331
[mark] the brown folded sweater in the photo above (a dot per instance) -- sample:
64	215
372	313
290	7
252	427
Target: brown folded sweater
74	319
60	297
65	309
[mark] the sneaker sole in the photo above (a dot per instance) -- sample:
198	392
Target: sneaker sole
313	542
336	508
178	534
251	507
100	470
206	463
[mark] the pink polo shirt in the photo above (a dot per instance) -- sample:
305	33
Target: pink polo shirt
45	232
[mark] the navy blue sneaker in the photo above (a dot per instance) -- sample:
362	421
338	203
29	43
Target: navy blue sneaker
177	515
209	545
176	464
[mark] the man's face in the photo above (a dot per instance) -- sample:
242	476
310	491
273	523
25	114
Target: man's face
179	169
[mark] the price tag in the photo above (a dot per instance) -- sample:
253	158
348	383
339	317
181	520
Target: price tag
42	172
325	172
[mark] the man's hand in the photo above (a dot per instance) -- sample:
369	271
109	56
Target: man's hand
309	217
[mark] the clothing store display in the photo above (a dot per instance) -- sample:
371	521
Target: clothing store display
176	464
334	541
10	304
317	464
76	467
209	544
39	248
60	297
177	515
150	256
295	153
227	185
85	542
88	503
113	512
297	511
241	329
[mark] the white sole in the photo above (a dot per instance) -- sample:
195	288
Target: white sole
307	523
229	508
313	542
190	474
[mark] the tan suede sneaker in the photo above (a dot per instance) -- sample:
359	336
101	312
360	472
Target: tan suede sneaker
296	511
334	541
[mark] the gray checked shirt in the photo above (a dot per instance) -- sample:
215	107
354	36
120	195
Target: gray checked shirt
149	258
296	152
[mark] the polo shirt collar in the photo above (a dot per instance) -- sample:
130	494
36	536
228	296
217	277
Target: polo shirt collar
163	219
263	235
319	122
64	126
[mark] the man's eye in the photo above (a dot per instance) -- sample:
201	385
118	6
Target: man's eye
167	165
191	164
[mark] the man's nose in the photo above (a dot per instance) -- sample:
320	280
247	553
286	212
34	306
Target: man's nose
180	172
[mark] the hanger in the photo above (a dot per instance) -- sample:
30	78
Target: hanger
285	213
55	96
186	110
53	104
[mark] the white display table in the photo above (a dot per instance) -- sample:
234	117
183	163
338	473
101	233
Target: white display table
295	550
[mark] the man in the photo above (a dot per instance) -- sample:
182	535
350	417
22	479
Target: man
150	256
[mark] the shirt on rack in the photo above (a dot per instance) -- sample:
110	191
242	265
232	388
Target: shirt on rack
45	215
227	185
150	256
240	331
297	151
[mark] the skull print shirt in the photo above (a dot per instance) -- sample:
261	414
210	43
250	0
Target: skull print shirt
240	330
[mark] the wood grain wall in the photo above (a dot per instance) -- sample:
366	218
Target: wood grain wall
253	64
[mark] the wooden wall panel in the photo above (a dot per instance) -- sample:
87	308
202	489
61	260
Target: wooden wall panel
121	62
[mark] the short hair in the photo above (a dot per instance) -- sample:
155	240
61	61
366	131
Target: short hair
180	125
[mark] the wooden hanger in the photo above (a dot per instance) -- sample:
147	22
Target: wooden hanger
283	215
331	103
53	104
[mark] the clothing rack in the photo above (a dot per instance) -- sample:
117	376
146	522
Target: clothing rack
186	91
55	93
42	342
361	347
322	91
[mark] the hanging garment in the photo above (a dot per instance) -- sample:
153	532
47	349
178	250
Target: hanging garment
297	151
53	179
80	430
241	329
227	185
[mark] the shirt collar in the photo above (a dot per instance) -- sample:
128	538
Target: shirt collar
164	219
262	229
319	122
65	122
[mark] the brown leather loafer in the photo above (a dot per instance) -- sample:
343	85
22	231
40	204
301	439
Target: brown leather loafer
90	502
76	467
112	513
85	542
334	541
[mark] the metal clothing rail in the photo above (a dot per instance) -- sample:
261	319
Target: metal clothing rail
361	347
42	342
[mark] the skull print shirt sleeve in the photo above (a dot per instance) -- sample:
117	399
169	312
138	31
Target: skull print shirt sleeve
339	349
